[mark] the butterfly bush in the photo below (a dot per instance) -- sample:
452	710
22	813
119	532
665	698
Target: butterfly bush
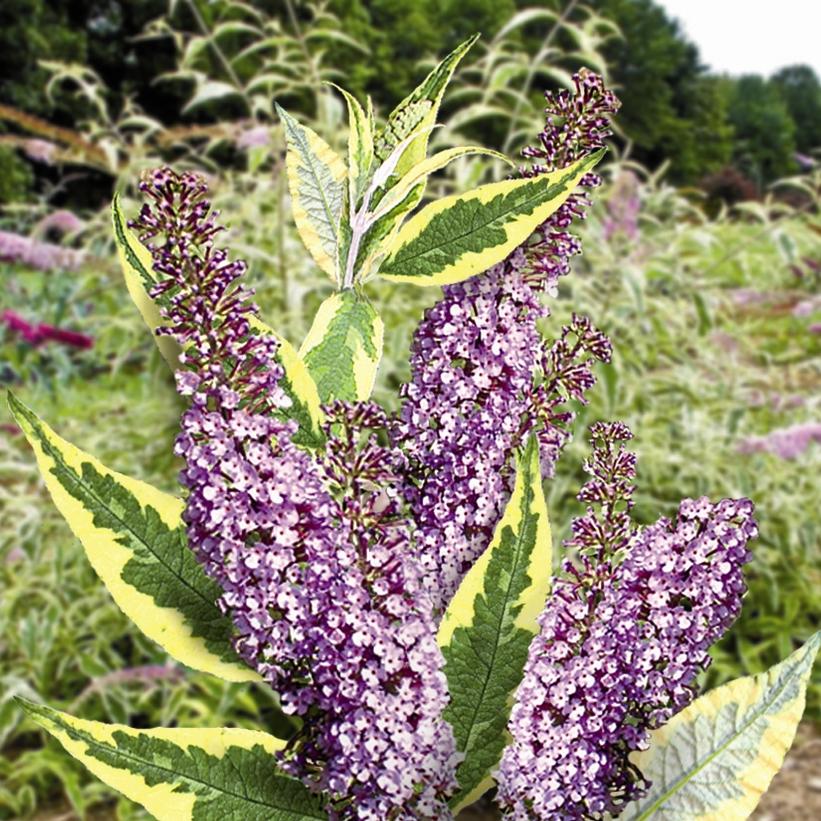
623	637
383	571
483	378
320	585
333	587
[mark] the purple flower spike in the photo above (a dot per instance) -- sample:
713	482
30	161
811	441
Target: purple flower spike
482	376
313	556
257	511
623	637
576	125
379	669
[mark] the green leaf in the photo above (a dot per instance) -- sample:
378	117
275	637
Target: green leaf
134	538
714	760
137	267
489	625
182	774
459	236
299	386
316	180
418	110
343	348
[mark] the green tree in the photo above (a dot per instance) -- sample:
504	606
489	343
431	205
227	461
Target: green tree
671	109
764	130
800	90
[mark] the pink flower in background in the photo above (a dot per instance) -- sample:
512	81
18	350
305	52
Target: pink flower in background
807	306
42	151
786	443
64	222
749	296
815	328
38	334
45	256
256	137
623	207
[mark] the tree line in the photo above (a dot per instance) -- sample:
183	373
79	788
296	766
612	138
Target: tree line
740	132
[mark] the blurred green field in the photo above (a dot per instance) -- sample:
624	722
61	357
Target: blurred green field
715	324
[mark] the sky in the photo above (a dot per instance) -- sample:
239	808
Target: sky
752	36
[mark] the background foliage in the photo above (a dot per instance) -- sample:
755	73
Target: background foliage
709	293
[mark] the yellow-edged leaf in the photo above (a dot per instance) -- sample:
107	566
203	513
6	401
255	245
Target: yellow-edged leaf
181	774
462	235
418	110
488	627
316	180
360	146
300	387
135	540
715	759
424	169
343	347
137	267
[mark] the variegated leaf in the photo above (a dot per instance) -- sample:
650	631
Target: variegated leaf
135	540
299	386
316	180
182	774
360	147
381	234
714	760
343	347
462	235
137	267
419	173
418	110
488	627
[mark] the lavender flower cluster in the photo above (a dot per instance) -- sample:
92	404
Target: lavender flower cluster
482	377
314	565
623	637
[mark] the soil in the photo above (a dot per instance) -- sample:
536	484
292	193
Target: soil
794	795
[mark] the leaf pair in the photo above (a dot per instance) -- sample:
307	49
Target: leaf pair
350	217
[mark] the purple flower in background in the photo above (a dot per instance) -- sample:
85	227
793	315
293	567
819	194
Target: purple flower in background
42	332
256	137
807	307
43	151
623	637
786	443
62	221
44	256
623	207
482	378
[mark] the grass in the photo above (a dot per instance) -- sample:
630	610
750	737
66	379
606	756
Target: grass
694	373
